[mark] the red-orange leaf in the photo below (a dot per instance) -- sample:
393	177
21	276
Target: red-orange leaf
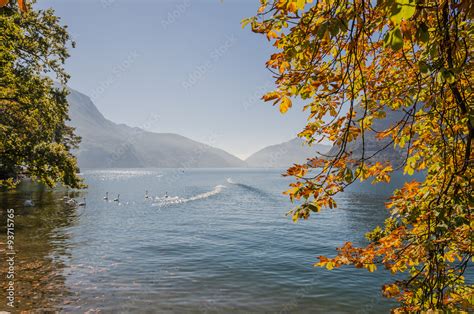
22	5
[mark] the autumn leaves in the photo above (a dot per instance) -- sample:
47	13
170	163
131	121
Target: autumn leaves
353	62
21	4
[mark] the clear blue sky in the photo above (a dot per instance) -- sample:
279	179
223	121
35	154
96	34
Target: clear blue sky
188	62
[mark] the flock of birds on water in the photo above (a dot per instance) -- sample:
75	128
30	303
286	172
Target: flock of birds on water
73	202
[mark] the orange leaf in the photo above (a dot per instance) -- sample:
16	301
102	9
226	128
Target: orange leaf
3	3
283	66
292	7
271	34
271	96
22	5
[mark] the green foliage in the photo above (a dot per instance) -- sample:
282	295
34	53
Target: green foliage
35	141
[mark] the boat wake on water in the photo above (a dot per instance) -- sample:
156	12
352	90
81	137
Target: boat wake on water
229	180
248	187
170	200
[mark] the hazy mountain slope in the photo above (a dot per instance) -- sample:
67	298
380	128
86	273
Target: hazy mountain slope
372	144
285	154
109	145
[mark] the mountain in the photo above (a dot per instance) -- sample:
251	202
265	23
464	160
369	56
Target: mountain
285	154
384	149
106	144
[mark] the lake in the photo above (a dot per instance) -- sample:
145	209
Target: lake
220	242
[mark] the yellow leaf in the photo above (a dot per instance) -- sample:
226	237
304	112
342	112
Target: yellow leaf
292	191
409	169
271	34
366	122
330	265
300	4
285	104
371	268
295	217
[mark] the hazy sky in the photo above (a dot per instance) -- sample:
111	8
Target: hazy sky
188	62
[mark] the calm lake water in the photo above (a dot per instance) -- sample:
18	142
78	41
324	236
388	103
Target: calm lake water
219	243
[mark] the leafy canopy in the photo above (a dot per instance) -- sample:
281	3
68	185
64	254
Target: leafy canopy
354	62
34	139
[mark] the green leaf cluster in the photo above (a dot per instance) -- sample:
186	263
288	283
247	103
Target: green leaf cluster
35	141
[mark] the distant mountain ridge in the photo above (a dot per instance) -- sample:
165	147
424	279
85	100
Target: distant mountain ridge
106	144
285	154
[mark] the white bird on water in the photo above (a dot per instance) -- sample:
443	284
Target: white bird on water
106	197
117	199
29	203
71	202
146	195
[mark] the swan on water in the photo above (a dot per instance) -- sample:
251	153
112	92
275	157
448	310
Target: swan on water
83	203
146	195
117	199
106	197
29	203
